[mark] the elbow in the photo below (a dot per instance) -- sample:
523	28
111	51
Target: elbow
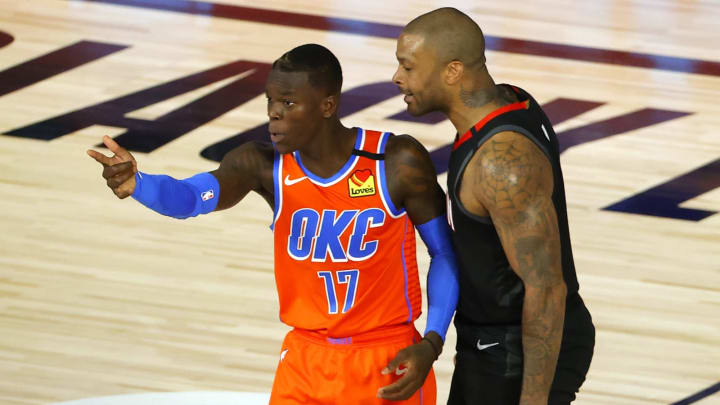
555	292
559	290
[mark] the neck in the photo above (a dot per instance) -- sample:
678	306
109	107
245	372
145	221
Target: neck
330	149
473	101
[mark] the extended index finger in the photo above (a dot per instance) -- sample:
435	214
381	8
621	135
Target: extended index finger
99	157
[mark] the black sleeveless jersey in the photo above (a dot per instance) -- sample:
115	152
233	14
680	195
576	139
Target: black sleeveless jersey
490	291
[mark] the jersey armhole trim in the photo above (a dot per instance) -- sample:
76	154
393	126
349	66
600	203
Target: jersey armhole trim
277	186
405	272
480	142
453	192
382	183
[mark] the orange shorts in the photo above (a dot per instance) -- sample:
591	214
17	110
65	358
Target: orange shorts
318	370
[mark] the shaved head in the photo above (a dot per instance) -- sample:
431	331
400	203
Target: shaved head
451	35
441	63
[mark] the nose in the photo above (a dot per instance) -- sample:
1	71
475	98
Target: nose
274	111
396	77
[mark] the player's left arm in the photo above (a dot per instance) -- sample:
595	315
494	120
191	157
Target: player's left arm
412	183
513	180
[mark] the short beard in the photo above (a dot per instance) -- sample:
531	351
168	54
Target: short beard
426	110
475	99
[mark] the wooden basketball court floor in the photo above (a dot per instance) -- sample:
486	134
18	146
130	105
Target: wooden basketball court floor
102	297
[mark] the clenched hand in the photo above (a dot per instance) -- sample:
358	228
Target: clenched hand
118	170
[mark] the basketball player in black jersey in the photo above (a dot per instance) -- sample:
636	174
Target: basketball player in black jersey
524	334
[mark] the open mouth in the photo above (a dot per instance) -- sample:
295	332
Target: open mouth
275	137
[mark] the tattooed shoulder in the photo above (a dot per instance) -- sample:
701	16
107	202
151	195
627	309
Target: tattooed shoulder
411	179
408	164
510	174
514	180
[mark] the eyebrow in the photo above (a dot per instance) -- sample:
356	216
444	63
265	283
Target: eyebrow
283	93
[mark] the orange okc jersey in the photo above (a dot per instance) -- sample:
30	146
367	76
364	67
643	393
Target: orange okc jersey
344	255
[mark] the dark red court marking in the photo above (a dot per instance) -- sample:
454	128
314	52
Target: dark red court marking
5	39
354	100
663	200
700	395
284	18
614	126
54	63
598	55
558	111
562	109
511	45
148	135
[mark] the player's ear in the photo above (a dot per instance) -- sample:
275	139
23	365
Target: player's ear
453	72
329	105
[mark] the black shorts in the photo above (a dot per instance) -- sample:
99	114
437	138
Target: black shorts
489	364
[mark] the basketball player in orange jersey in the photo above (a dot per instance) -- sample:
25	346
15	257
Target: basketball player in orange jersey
346	203
524	334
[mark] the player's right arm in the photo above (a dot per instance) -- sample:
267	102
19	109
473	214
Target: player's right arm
249	167
512	179
245	168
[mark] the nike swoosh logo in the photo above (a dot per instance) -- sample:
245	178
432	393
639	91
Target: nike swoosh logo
483	347
289	182
399	371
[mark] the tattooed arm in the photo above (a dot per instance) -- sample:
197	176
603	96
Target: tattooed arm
412	183
511	180
248	167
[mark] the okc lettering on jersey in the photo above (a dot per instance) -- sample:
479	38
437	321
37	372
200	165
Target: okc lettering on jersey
312	234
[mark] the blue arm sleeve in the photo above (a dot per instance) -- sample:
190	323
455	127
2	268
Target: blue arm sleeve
177	198
442	284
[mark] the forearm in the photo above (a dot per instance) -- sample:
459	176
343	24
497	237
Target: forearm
442	293
177	198
542	326
442	284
